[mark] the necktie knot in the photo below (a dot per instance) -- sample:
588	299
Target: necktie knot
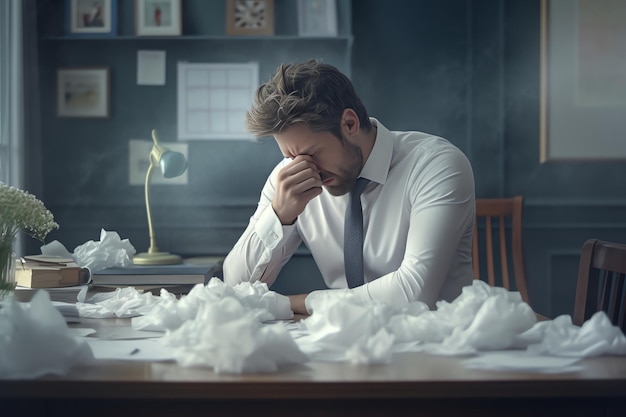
359	186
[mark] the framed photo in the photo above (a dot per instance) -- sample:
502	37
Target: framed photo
158	17
250	17
91	18
317	17
83	92
583	80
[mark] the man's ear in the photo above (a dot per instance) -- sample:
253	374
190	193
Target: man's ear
350	123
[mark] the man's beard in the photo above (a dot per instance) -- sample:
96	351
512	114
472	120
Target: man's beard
348	175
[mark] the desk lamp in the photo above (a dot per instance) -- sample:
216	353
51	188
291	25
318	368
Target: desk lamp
173	164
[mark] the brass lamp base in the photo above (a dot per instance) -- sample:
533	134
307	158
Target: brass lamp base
156	258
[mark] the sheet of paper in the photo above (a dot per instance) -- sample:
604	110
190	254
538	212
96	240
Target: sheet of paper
132	350
125	333
79	332
519	360
150	67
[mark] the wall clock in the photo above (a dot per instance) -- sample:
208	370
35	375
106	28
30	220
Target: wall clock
250	17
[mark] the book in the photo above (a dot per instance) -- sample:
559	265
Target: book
39	271
156	275
58	294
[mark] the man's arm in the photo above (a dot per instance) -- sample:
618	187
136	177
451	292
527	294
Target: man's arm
271	238
442	203
441	197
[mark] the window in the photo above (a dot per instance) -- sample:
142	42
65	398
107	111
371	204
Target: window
11	113
10	91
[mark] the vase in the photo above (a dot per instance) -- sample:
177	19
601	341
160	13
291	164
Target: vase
7	266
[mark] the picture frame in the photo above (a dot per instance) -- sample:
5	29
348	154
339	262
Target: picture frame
91	18
213	98
158	18
250	17
317	18
83	92
582	86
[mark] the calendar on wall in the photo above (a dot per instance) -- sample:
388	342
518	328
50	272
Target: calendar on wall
213	99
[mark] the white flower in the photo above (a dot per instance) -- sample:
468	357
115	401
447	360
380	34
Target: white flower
22	211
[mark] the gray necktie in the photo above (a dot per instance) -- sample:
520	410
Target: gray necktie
353	235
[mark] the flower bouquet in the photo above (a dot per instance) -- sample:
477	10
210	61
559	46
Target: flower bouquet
19	211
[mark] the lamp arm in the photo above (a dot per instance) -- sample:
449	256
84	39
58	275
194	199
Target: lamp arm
153	247
156	148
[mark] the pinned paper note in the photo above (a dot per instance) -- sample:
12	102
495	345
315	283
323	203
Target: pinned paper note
150	67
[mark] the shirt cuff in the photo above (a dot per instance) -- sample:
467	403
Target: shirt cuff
310	299
269	229
317	297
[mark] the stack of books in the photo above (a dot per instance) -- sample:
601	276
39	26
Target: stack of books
40	271
62	278
179	278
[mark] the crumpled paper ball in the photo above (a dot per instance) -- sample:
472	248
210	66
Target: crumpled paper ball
226	336
214	325
559	337
35	341
481	318
170	313
123	302
167	312
110	251
348	328
496	319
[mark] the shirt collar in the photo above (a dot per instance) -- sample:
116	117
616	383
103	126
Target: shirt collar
379	161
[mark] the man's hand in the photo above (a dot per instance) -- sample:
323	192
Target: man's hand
298	305
298	183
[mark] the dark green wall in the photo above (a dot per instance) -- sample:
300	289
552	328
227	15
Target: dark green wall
464	69
469	70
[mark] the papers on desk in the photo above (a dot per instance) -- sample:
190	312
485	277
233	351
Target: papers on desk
229	330
69	294
67	310
343	328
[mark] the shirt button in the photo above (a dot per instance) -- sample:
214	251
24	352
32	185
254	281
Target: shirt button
274	236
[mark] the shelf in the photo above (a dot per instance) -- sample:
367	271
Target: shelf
199	38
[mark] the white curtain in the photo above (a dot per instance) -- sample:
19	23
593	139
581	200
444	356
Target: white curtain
11	95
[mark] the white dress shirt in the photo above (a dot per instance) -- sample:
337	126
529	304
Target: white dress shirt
418	218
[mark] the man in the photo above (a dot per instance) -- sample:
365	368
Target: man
418	208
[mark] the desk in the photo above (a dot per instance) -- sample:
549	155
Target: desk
413	384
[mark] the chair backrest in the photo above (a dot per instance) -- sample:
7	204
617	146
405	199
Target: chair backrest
498	243
600	287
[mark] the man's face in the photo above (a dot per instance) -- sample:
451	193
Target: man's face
339	161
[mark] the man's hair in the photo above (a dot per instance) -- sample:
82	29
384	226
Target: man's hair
312	93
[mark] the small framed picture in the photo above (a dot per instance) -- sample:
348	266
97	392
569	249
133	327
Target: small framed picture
91	17
250	17
83	92
158	17
317	17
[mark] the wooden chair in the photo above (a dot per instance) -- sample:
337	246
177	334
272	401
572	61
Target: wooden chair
496	245
600	287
